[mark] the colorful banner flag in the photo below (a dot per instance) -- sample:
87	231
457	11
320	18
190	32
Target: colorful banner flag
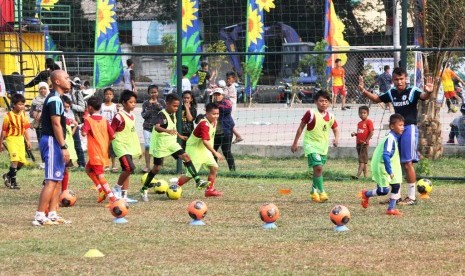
418	40
49	44
190	37
334	35
255	41
107	68
44	5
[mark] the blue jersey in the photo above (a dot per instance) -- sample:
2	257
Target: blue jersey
53	106
404	102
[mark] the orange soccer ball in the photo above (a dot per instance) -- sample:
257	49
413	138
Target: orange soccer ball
269	213
119	208
339	215
197	209
67	198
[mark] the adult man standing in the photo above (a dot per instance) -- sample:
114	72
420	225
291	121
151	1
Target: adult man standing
53	150
339	84
385	82
129	77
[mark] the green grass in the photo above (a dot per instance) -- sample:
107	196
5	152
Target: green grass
427	240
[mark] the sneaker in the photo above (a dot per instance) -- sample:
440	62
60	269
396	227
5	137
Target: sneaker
364	198
144	196
131	200
101	196
202	184
237	140
343	108
407	201
117	191
44	221
323	197
14	186
394	212
6	180
145	170
354	177
212	192
450	142
316	197
59	220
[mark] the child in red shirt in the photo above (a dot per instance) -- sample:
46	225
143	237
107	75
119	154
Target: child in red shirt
363	135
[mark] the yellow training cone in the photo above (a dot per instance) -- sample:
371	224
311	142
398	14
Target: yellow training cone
93	253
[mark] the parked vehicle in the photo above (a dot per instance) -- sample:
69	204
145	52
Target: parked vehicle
285	93
168	89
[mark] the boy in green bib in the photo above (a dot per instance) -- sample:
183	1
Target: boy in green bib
199	146
386	169
126	143
316	123
163	143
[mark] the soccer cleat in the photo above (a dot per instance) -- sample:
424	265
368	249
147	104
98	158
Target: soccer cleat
131	200
407	201
15	186
144	196
117	191
6	180
101	196
59	220
364	198
315	197
42	221
393	212
202	184
212	192
323	197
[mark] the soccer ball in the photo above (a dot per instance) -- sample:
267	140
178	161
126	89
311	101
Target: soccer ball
174	192
339	215
160	186
454	109
269	213
67	198
119	208
197	209
424	186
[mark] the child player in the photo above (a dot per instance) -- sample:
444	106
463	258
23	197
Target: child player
14	131
109	110
99	133
164	143
405	100
199	147
363	134
126	143
386	169
317	123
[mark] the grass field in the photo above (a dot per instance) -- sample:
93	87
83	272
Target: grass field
427	240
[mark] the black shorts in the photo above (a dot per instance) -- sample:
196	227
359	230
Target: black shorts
159	161
362	151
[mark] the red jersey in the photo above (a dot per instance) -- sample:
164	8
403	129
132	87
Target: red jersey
309	119
202	131
364	128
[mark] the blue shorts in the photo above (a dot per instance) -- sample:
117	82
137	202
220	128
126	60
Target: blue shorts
50	152
147	135
408	144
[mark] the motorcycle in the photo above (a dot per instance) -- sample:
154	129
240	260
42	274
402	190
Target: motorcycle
284	93
168	89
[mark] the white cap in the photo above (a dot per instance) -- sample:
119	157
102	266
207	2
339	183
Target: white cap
43	84
222	83
77	80
217	90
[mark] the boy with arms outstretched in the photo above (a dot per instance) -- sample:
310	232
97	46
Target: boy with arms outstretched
126	143
164	143
14	131
99	134
199	147
385	167
317	123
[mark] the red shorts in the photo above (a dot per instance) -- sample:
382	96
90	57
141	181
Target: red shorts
449	94
339	90
97	169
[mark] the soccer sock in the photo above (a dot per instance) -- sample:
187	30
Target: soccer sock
392	204
52	214
448	104
191	169
147	182
65	181
318	183
411	190
212	183
40	214
124	194
182	180
94	178
106	188
371	193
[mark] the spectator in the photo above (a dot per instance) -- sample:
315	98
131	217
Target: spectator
186	83
129	77
188	114
43	76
